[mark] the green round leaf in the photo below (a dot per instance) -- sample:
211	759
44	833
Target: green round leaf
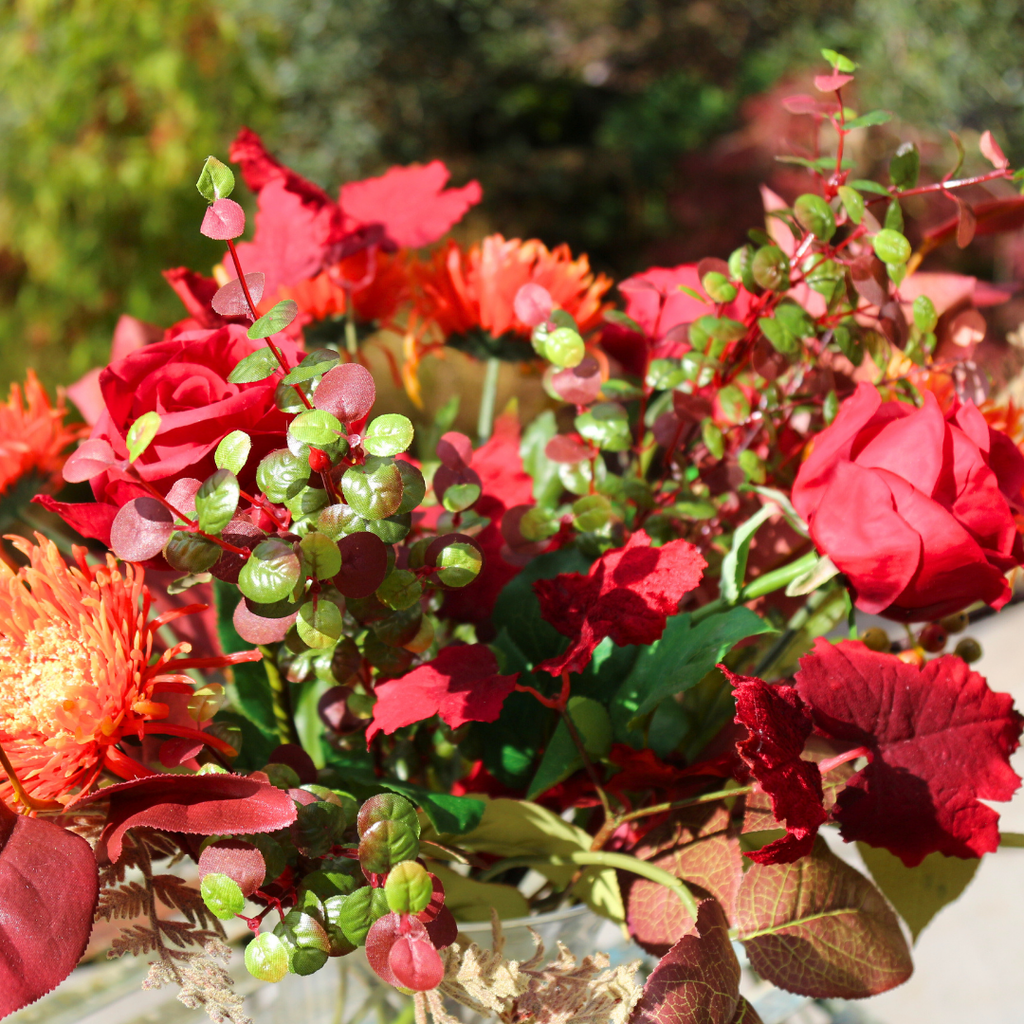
590	513
414	487
316	427
853	203
458	564
891	247
266	957
270	573
925	317
306	502
360	909
276	320
281	475
222	895
217	501
593	724
388	435
321	555
233	451
770	268
337	521
538	524
316	364
387	807
385	844
459	497
188	552
564	347
318	827
718	287
216	180
141	433
752	465
256	366
607	425
319	624
374	490
783	340
733	403
408	888
815	215
904	166
401	589
713	438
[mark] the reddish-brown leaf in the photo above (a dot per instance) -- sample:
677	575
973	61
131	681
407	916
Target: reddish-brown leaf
992	151
697	846
628	594
207	805
819	928
939	742
697	981
993	217
48	891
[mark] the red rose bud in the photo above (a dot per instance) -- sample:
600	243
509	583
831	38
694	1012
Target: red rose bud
913	506
319	461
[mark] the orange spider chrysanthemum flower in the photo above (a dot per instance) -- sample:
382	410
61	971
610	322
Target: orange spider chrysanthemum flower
78	672
33	436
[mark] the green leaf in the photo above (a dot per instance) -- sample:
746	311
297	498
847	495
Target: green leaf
872	117
562	757
270	573
216	180
734	565
314	365
839	62
547	487
222	895
815	215
141	433
401	589
712	437
281	475
607	425
782	338
319	623
316	427
459	564
321	555
590	513
276	320
718	287
818	927
358	912
867	185
891	246
388	435
770	268
734	404
188	552
918	893
408	888
693	294
459	497
374	490
233	452
821	572
894	216
451	815
853	203
470	900
681	658
615	316
217	501
925	317
414	487
904	166
256	366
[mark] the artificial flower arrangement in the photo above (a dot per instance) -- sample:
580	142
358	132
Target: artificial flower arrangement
593	645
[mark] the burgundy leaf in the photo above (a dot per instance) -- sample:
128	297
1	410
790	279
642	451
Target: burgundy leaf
455	450
224	219
297	759
533	304
991	151
90	459
230	300
939	742
461	685
348	392
568	448
697	980
628	594
48	891
259	629
364	564
819	928
870	279
829	83
415	964
993	217
579	384
140	529
778	726
218	804
967	223
443	929
239	860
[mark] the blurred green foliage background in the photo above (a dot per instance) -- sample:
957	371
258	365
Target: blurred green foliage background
583	119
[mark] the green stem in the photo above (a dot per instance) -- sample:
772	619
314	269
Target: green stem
604	859
485	421
770	581
351	338
1011	839
282	699
704	798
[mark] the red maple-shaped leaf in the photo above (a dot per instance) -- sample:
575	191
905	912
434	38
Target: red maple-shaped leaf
778	725
697	980
939	741
411	205
207	805
461	685
48	890
628	595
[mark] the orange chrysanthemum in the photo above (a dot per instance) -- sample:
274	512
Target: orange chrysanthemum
33	436
78	672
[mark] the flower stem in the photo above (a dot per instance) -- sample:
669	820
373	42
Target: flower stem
286	731
488	397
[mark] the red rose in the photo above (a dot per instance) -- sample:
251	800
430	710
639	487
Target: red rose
185	381
913	506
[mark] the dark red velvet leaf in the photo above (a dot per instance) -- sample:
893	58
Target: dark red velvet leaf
778	726
461	685
415	964
697	980
568	448
579	384
455	450
348	392
939	740
230	300
819	928
239	860
197	804
90	459
258	629
364	564
224	219
627	594
140	529
697	846
297	759
443	930
48	891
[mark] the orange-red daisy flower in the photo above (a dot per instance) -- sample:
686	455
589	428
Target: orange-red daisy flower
33	436
78	672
